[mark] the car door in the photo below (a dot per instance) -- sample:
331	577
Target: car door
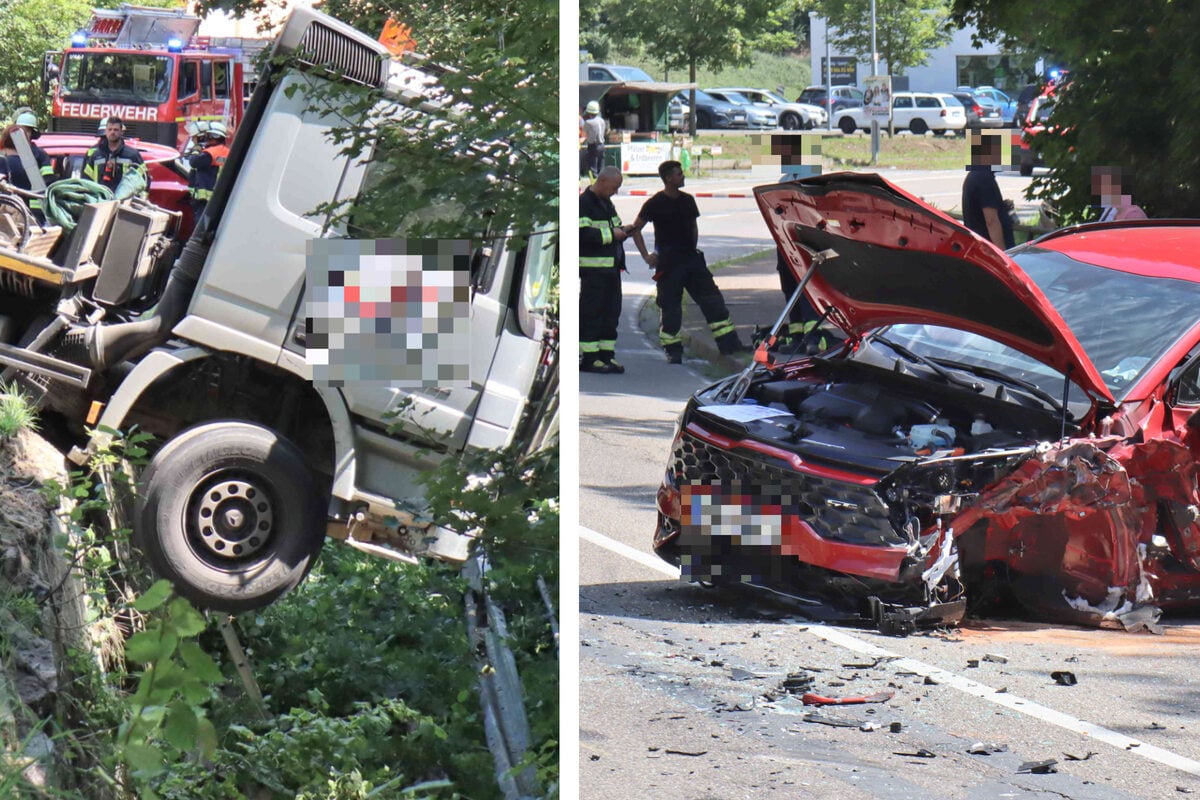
903	109
929	109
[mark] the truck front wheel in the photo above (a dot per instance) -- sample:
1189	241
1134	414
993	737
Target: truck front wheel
230	514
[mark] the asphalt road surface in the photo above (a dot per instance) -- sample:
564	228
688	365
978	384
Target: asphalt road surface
682	691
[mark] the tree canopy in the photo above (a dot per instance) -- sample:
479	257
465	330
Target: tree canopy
904	32
490	156
693	33
1126	102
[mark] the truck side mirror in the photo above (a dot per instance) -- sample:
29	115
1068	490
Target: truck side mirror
480	258
49	70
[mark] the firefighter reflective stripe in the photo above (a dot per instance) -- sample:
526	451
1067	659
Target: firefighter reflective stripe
603	225
721	328
608	344
589	347
666	339
597	261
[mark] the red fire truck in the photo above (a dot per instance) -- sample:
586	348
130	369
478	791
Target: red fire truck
145	66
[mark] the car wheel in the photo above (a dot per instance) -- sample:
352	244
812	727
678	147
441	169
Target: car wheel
918	127
847	125
230	514
703	120
791	122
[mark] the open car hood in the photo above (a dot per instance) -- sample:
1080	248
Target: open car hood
900	260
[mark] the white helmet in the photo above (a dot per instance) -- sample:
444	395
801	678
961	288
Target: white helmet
218	130
26	118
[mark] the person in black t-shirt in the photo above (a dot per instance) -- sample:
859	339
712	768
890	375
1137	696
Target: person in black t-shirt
679	266
983	207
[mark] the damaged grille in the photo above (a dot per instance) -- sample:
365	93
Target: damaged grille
838	511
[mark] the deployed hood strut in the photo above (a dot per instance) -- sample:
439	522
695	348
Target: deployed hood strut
761	355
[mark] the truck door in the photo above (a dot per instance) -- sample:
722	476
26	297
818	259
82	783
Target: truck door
482	410
189	94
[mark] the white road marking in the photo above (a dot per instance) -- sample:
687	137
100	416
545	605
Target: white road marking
633	554
943	677
1011	701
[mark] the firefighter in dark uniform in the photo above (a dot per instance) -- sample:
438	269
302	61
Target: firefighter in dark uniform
13	169
206	164
601	260
679	266
110	161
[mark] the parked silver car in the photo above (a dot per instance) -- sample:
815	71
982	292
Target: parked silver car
756	116
792	116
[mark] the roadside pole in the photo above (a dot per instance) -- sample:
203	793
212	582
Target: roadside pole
874	72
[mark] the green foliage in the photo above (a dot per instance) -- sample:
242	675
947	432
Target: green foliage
16	412
1132	69
765	71
489	150
904	32
693	34
512	504
368	673
166	721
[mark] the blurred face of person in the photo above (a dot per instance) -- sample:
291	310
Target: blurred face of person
674	179
114	132
1106	185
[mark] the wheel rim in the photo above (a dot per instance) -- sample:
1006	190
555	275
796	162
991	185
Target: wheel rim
789	122
230	519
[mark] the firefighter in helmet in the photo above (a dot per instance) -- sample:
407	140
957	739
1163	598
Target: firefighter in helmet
12	168
206	164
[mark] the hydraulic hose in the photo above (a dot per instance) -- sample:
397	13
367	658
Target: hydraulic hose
65	200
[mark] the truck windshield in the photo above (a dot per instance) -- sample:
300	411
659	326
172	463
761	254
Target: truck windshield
122	77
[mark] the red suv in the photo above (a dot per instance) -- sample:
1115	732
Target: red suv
1012	431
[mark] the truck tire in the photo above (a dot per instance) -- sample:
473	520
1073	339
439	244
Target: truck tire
230	514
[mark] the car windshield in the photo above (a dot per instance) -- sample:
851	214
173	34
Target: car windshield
631	74
704	97
952	101
737	98
124	77
1124	322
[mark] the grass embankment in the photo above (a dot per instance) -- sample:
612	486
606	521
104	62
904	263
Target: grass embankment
844	152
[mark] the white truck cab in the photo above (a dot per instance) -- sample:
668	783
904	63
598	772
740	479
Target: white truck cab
258	462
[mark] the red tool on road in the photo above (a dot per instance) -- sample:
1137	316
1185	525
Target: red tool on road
810	699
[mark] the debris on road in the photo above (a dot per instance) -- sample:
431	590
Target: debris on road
995	657
1064	678
738	674
896	727
1070	757
1038	767
893	620
987	748
693	753
834	722
796	682
920	753
810	699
